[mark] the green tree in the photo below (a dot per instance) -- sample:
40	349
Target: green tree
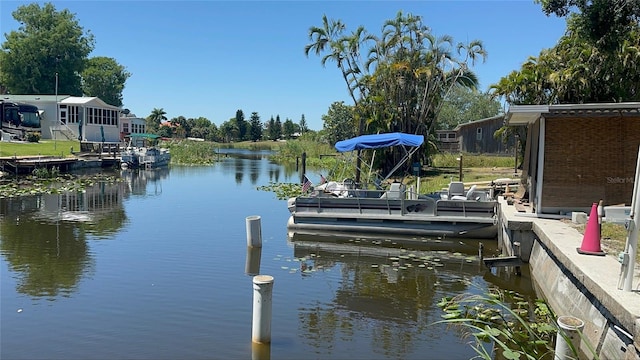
576	71
165	131
255	127
154	119
48	42
213	134
462	105
241	124
181	127
271	129
343	49
228	130
277	128
201	122
288	128
105	78
303	125
339	122
413	71
604	23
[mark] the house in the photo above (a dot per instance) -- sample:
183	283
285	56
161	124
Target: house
578	154
131	124
447	141
65	117
477	137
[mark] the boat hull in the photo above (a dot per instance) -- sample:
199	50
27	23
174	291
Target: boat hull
145	158
463	219
432	227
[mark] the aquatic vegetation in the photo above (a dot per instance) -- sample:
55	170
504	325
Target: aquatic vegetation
43	172
35	185
283	191
519	329
186	152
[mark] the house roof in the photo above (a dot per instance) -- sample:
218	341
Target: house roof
62	99
87	100
479	122
43	98
526	114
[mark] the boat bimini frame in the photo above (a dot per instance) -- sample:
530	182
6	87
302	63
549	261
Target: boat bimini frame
409	144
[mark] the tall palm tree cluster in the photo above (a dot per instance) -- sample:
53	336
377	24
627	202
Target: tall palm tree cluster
397	80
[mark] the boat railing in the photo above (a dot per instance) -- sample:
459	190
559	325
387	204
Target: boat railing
379	202
465	207
359	201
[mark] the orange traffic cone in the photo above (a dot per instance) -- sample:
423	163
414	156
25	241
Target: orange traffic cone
591	238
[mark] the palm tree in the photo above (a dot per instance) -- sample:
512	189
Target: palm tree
155	118
412	71
345	52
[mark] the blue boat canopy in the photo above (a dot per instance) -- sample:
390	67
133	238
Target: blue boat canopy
376	141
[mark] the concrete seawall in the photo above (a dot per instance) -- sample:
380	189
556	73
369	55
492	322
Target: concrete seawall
584	286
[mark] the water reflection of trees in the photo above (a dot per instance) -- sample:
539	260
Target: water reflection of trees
241	162
44	237
239	169
388	292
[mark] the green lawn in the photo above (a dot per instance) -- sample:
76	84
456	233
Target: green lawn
43	147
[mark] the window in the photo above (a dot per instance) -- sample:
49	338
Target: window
73	114
125	127
479	134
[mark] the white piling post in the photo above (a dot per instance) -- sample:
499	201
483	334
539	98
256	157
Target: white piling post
254	231
570	329
632	237
262	293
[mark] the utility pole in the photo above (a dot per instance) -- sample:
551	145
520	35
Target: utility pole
55	137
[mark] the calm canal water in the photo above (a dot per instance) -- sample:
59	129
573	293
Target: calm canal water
157	267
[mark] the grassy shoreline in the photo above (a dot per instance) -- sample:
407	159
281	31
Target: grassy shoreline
59	148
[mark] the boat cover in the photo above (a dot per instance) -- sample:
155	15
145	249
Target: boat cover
375	141
144	135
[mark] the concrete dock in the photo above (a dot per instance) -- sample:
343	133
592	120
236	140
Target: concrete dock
583	286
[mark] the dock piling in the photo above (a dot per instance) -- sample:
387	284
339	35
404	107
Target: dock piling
262	294
254	231
568	338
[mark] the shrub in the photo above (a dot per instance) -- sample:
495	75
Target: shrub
33	137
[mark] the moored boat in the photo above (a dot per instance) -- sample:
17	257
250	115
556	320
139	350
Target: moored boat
345	207
141	152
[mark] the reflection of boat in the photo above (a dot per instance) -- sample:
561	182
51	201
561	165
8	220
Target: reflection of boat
140	181
142	152
384	244
458	212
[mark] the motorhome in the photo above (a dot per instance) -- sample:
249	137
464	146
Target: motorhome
18	120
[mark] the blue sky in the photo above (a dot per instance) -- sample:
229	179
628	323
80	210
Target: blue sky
211	58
